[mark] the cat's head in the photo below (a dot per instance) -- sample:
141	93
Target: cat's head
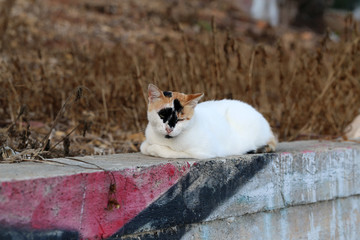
170	112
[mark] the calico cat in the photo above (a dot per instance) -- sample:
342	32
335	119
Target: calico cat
180	127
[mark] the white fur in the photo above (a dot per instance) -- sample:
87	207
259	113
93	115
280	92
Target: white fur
217	129
267	10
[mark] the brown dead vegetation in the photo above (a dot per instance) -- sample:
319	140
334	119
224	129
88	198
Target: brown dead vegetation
89	97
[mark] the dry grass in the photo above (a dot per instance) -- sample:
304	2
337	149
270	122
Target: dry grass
305	92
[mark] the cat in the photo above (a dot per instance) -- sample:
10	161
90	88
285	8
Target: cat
181	127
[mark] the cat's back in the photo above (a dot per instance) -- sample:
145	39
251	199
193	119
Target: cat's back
231	114
233	127
221	107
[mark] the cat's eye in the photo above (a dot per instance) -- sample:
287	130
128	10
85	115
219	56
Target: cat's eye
180	119
161	116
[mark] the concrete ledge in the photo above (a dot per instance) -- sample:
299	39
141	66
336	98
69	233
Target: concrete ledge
306	189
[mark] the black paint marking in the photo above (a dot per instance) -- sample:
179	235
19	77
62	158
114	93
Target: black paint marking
26	234
173	233
177	207
167	94
177	105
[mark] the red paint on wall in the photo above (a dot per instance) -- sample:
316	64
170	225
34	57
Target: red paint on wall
308	151
79	202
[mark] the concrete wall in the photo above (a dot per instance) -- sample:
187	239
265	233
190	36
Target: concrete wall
306	190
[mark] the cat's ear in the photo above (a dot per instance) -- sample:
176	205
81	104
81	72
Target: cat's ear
154	93
193	99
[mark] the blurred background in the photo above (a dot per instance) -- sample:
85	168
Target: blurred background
74	74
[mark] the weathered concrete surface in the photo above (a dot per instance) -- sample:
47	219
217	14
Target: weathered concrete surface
318	172
96	204
335	219
305	189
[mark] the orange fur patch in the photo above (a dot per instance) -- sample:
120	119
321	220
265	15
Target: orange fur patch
271	145
184	99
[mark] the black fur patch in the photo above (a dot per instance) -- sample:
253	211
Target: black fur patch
259	150
169	114
173	120
177	105
167	94
165	114
251	152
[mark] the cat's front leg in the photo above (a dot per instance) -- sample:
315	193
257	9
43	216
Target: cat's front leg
143	148
165	152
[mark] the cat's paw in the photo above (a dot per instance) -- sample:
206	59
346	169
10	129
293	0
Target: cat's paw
165	152
144	148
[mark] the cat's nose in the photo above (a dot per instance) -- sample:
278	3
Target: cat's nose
168	130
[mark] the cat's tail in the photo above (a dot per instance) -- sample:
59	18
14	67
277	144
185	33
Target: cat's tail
269	147
271	144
